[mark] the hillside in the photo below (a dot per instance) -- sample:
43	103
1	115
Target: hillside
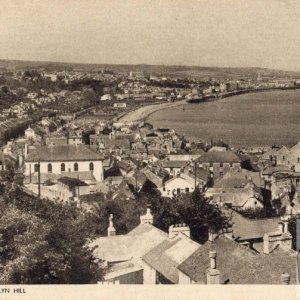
170	70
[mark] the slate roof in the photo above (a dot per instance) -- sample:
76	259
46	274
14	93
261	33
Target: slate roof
135	244
235	196
118	143
274	169
166	256
245	229
63	153
137	177
239	265
201	173
83	175
219	157
237	179
123	191
155	179
124	165
188	178
174	163
196	151
72	182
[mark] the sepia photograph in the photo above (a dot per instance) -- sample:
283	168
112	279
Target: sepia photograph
149	143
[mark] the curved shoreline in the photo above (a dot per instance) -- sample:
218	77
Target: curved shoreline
142	113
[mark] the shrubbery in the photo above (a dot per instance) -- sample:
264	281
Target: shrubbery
44	242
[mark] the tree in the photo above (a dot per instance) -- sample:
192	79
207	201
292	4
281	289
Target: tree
126	215
44	242
198	212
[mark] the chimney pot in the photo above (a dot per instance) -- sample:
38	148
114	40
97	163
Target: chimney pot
111	231
148	217
213	259
213	275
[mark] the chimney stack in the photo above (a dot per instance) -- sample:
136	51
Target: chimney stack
285	278
213	275
285	223
148	217
179	228
111	231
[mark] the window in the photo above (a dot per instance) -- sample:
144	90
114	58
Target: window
164	189
178	191
298	160
283	158
36	167
49	168
187	190
76	167
91	166
297	181
63	167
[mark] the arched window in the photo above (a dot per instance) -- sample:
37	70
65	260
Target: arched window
91	166
76	167
49	168
36	167
63	167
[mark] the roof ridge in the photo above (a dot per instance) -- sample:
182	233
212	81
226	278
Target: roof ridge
238	244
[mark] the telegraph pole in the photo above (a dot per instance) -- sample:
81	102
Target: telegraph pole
78	187
39	178
29	173
136	177
195	172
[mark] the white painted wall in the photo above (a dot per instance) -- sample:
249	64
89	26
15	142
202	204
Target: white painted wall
184	279
149	274
170	188
69	167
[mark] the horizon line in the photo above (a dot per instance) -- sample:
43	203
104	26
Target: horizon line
145	64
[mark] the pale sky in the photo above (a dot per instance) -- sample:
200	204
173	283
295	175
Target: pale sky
223	33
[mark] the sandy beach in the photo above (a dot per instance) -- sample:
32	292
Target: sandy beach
142	113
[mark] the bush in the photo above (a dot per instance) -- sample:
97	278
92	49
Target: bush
44	242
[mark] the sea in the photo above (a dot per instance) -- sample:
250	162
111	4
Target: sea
250	120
